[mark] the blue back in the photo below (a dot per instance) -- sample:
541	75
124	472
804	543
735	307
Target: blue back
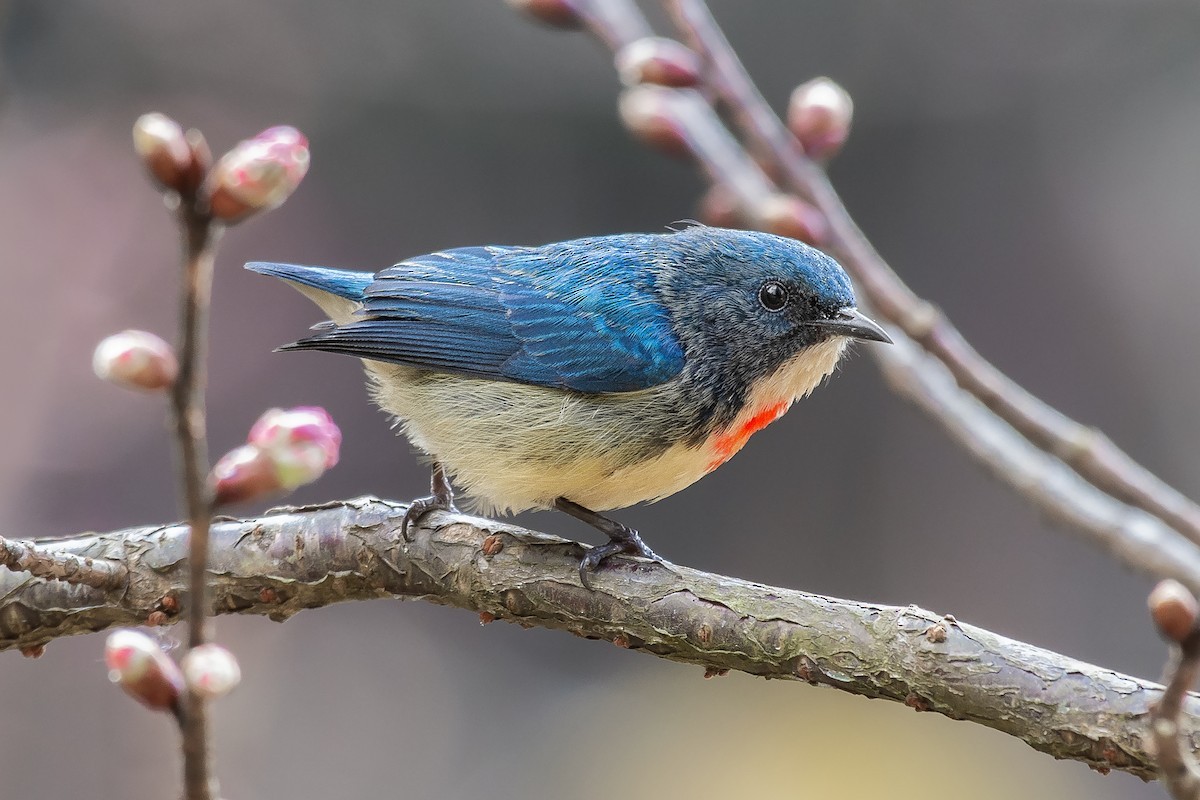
583	315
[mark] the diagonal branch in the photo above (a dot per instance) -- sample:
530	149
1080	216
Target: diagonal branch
1085	449
1119	505
293	559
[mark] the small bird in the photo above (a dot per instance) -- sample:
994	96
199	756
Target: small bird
590	374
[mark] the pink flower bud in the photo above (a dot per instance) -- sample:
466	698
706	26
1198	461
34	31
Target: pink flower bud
819	116
785	215
646	111
307	428
286	449
211	671
163	148
258	174
135	360
557	13
144	671
243	474
655	59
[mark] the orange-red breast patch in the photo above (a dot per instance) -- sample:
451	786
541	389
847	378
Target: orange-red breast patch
729	442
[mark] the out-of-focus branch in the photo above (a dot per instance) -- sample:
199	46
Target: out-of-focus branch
257	175
294	559
1175	610
683	119
1086	450
199	232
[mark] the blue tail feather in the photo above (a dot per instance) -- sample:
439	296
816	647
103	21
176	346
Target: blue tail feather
341	282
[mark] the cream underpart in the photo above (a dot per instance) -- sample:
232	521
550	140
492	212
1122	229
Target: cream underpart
513	446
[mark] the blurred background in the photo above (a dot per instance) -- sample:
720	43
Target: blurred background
1030	166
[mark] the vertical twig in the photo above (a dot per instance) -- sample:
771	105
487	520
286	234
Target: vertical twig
200	234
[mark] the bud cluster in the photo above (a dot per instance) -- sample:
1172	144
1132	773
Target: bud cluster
258	174
148	674
285	450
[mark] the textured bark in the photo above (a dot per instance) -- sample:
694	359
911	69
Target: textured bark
293	559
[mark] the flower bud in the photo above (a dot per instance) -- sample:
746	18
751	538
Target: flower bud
786	215
258	174
163	148
719	207
656	59
1174	610
819	116
244	473
557	13
285	450
144	671
646	111
211	671
135	360
306	434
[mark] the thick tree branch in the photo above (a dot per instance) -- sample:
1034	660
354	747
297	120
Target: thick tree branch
293	559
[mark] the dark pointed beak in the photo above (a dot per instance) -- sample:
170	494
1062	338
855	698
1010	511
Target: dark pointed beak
854	324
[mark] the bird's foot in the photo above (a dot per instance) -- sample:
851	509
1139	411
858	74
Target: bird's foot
622	539
633	546
441	499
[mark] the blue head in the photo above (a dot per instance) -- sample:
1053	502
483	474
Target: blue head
744	304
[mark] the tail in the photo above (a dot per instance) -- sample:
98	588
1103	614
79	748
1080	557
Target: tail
337	291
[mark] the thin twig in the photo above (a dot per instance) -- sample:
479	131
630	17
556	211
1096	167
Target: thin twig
294	559
1083	448
45	562
1177	768
187	405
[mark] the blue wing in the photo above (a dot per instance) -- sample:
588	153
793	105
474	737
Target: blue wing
582	315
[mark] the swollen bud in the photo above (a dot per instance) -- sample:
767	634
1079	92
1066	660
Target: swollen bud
135	360
143	670
656	59
786	215
646	111
244	473
819	116
304	442
258	174
211	671
557	13
1174	610
285	450
163	148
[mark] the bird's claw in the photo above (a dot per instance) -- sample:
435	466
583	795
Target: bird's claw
441	498
630	544
422	506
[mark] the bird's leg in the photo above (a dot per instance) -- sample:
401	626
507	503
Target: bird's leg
441	499
621	539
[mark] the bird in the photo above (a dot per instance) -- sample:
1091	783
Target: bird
591	374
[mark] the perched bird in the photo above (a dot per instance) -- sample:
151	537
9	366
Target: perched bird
590	374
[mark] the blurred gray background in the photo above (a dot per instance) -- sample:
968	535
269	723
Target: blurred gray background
1030	166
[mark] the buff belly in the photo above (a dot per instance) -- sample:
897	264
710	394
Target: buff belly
513	447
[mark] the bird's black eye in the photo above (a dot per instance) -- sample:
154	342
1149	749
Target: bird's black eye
773	295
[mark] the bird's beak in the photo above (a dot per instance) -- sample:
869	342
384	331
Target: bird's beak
854	324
